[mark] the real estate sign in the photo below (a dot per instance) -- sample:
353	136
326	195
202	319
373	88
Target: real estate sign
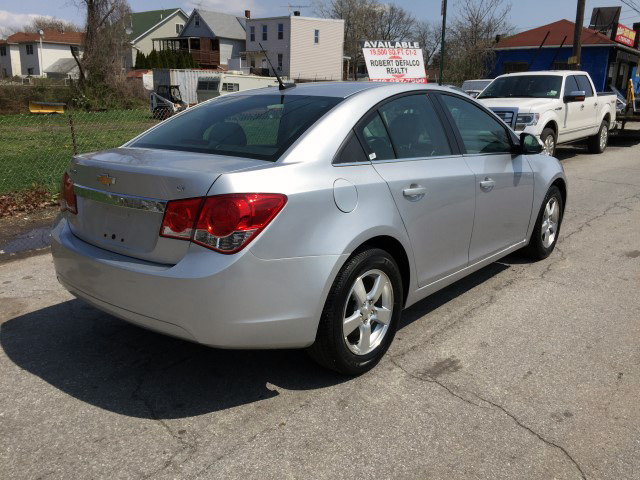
394	61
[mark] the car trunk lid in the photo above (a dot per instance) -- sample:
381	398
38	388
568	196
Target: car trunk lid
122	194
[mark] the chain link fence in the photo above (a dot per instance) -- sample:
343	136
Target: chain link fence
36	148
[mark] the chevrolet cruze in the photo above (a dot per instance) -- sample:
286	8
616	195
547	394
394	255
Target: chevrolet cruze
306	217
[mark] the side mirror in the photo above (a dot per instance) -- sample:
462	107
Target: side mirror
576	96
529	144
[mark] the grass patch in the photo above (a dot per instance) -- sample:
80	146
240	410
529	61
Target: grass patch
36	149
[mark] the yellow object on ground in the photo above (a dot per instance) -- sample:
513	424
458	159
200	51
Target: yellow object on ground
46	107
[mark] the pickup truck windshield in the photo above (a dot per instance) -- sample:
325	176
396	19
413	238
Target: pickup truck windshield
524	86
250	126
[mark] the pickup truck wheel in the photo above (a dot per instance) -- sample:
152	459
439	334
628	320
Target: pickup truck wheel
598	143
548	138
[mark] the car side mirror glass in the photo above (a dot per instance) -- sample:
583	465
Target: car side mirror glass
529	144
575	96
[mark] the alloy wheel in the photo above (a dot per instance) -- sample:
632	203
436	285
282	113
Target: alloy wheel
550	221
604	136
368	312
549	145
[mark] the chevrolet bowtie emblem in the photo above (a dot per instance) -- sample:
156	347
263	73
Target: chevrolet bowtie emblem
106	179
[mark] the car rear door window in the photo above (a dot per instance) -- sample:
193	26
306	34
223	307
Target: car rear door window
480	131
376	140
351	152
415	128
585	85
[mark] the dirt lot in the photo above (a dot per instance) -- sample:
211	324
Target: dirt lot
523	370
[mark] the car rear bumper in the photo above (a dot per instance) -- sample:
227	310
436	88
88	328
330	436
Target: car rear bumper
229	301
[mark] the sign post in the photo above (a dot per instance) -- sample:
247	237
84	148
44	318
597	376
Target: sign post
444	28
389	61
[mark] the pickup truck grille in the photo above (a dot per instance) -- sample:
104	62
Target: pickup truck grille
506	117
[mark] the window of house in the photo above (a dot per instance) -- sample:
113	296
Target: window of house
230	87
196	20
279	61
316	36
280	31
514	67
30	71
3	51
29	49
264	32
253	62
179	27
252	33
480	132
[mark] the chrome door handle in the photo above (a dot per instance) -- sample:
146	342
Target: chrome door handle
414	191
487	184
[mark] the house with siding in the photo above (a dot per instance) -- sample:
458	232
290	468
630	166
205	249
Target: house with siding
27	54
300	48
212	38
145	26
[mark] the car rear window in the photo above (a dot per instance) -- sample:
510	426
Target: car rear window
250	126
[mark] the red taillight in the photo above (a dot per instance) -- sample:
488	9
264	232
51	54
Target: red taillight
67	196
225	223
179	218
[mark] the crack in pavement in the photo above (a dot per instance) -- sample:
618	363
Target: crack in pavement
252	438
183	444
518	422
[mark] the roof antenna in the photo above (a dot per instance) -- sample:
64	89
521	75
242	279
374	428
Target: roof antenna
282	85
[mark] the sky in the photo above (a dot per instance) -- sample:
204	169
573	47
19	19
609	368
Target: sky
525	14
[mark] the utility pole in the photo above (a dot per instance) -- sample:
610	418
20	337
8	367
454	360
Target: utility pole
442	43
577	36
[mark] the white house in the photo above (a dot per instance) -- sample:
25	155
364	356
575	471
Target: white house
300	48
29	54
145	26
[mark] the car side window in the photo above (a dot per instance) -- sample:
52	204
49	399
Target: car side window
585	85
415	128
571	85
375	137
351	152
480	132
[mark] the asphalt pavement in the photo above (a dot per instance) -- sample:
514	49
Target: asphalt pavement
522	370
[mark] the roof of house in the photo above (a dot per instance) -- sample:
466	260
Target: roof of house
142	22
558	31
62	65
224	25
50	36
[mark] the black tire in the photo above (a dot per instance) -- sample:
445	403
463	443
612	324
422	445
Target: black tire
330	347
543	137
594	143
536	248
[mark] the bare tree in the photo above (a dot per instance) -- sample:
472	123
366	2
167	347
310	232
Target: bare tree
471	36
428	35
51	23
366	19
105	39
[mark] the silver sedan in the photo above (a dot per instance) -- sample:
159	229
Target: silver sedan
307	217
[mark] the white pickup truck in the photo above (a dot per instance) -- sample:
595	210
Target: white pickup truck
556	106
